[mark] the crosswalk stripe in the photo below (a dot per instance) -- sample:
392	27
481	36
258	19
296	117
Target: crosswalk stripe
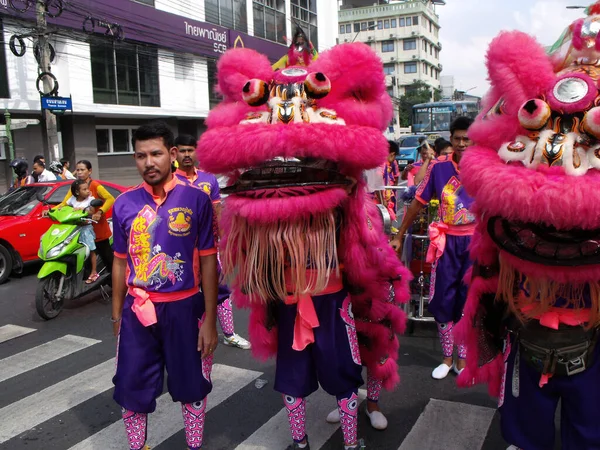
8	332
54	400
275	434
167	419
445	425
43	354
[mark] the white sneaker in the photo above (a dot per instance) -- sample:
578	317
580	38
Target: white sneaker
333	416
235	340
378	420
441	371
456	371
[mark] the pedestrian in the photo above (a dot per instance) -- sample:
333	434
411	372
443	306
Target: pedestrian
66	173
163	238
187	172
101	227
452	259
81	199
40	174
19	166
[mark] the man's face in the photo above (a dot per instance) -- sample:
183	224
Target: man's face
153	160
426	152
391	157
460	142
186	156
37	168
66	165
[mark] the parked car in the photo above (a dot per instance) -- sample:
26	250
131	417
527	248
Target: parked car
409	150
22	222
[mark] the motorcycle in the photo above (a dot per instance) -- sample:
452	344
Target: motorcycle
67	265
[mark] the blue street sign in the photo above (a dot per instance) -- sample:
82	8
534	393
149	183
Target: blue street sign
57	103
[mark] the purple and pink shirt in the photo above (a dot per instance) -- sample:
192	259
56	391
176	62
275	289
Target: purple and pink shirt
442	180
207	182
163	239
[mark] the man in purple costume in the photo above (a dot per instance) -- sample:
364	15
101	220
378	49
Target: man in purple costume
163	243
449	243
187	171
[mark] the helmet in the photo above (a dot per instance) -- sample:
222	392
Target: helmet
19	165
55	167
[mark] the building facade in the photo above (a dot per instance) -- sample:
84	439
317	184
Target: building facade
405	34
125	62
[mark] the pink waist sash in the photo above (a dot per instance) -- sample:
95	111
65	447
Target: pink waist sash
143	302
437	237
306	316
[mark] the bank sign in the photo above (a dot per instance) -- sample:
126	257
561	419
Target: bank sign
218	37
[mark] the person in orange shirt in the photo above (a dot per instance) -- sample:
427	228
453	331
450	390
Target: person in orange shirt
83	170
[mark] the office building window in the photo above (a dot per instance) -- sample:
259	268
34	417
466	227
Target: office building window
380	24
431	50
424	22
410	44
4	90
390	91
425	68
437	54
114	139
125	75
410	67
269	20
342	29
363	26
387	46
424	45
393	23
402	22
386	24
408	21
415	20
304	12
389	68
227	13
356	27
430	26
348	28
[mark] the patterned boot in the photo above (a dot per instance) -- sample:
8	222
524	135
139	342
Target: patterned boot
296	408
136	426
193	419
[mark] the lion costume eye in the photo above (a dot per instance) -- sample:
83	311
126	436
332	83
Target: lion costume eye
317	85
255	92
534	114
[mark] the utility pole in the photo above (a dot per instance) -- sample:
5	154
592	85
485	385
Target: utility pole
51	150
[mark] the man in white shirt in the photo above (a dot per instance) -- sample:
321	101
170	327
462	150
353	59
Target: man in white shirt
40	174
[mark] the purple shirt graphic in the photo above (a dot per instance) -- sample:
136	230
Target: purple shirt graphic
163	240
442	180
205	181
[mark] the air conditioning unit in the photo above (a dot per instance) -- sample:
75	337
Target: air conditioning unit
370	38
346	40
393	58
414	57
414	33
392	35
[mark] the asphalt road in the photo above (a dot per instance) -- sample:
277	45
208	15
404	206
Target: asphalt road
56	391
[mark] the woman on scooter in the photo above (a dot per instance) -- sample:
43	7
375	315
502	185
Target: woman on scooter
80	200
83	171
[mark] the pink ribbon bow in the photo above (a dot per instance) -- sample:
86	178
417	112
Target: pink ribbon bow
143	307
306	320
437	241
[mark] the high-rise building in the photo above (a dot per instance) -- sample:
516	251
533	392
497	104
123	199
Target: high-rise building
405	34
126	62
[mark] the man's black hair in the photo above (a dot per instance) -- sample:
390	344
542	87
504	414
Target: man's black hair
63	161
440	145
461	123
394	148
154	130
186	139
38	158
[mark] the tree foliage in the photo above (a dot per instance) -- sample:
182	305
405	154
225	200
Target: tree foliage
415	93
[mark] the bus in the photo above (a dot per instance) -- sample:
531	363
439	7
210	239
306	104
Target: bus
434	119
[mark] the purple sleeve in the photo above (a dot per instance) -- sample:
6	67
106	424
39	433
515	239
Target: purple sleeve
204	215
119	235
215	193
426	189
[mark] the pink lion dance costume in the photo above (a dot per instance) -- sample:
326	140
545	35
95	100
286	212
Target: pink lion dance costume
302	245
532	312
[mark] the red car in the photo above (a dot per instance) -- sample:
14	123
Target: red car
22	223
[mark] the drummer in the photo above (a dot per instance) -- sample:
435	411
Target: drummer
442	180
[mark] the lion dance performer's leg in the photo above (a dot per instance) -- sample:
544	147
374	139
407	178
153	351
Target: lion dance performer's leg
136	427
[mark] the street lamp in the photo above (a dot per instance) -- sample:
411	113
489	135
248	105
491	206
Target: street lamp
372	27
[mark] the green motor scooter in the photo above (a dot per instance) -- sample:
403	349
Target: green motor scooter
67	266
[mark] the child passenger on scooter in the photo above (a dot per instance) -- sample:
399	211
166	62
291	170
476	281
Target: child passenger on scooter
81	200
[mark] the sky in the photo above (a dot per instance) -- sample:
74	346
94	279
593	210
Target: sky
468	26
